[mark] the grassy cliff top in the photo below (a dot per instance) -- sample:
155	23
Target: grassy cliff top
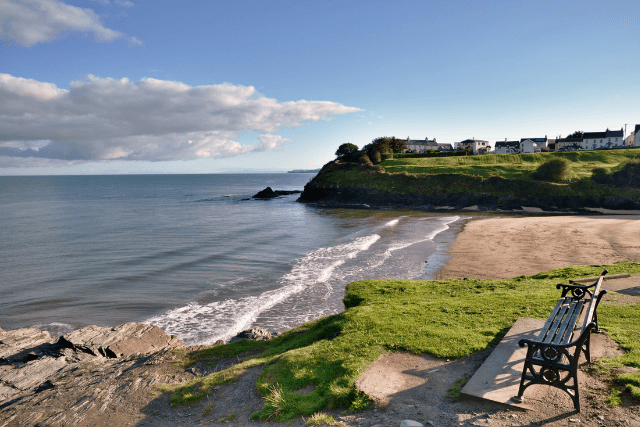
511	166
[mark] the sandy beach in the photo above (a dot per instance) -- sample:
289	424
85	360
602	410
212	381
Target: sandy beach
506	247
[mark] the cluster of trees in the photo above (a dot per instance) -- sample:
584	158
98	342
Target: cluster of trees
373	153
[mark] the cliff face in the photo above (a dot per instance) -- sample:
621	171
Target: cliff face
503	195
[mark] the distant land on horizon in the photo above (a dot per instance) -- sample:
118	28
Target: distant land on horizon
304	171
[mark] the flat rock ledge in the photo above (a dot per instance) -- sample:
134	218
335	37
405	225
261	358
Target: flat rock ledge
30	358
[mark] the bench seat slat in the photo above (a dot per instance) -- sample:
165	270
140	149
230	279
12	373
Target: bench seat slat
556	323
545	329
565	333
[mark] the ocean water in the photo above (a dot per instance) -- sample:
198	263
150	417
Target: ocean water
192	254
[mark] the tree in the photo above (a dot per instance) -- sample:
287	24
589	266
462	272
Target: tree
576	134
345	149
397	145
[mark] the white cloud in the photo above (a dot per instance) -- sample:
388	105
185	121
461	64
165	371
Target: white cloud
28	22
102	119
123	3
134	41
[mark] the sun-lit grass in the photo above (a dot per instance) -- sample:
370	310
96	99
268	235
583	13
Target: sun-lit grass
446	318
511	166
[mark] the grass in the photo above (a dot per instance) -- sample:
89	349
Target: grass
446	318
320	418
454	390
489	174
512	166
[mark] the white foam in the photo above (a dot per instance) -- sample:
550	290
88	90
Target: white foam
205	324
392	223
56	329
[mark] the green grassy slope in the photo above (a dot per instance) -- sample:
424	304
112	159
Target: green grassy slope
511	166
447	318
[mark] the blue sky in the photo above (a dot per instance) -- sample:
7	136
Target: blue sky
118	86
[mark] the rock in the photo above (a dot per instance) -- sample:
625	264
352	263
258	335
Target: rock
22	345
201	369
33	373
410	423
601	417
123	340
255	334
268	193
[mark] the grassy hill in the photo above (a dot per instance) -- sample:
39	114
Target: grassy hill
492	181
511	166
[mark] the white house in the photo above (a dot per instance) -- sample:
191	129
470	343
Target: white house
479	146
421	145
602	140
633	140
506	147
541	143
529	146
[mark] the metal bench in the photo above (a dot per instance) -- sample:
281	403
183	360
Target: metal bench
563	337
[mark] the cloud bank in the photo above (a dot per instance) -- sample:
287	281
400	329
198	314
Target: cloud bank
28	22
101	119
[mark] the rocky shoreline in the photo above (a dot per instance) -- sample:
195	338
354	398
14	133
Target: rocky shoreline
331	195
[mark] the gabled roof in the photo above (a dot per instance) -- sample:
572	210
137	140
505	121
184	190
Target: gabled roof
637	129
535	139
615	133
593	135
569	140
429	142
471	141
504	144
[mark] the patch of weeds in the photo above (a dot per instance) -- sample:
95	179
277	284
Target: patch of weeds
615	397
208	409
320	418
230	417
632	383
454	390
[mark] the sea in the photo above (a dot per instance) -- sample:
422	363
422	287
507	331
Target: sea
194	254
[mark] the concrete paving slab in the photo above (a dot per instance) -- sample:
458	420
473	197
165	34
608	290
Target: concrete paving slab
498	378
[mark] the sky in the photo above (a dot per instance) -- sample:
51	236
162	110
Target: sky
133	86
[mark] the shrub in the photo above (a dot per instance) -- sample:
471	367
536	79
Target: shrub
554	170
365	160
628	176
345	149
375	157
600	175
388	156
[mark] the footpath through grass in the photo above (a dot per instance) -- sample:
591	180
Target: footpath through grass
446	318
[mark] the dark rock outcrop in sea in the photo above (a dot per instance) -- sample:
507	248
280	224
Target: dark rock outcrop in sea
268	193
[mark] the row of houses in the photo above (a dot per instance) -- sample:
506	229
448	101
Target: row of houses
608	139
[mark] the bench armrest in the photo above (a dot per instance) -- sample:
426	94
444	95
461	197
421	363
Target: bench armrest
579	291
554	352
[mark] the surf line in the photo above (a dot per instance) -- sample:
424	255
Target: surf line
437	260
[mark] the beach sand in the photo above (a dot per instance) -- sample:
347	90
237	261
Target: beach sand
505	247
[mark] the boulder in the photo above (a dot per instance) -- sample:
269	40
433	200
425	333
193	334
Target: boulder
254	334
123	340
22	345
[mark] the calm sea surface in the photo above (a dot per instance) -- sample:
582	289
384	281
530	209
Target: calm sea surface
190	253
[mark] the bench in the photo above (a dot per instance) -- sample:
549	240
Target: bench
556	350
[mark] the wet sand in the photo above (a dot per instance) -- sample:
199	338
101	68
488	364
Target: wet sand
505	247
